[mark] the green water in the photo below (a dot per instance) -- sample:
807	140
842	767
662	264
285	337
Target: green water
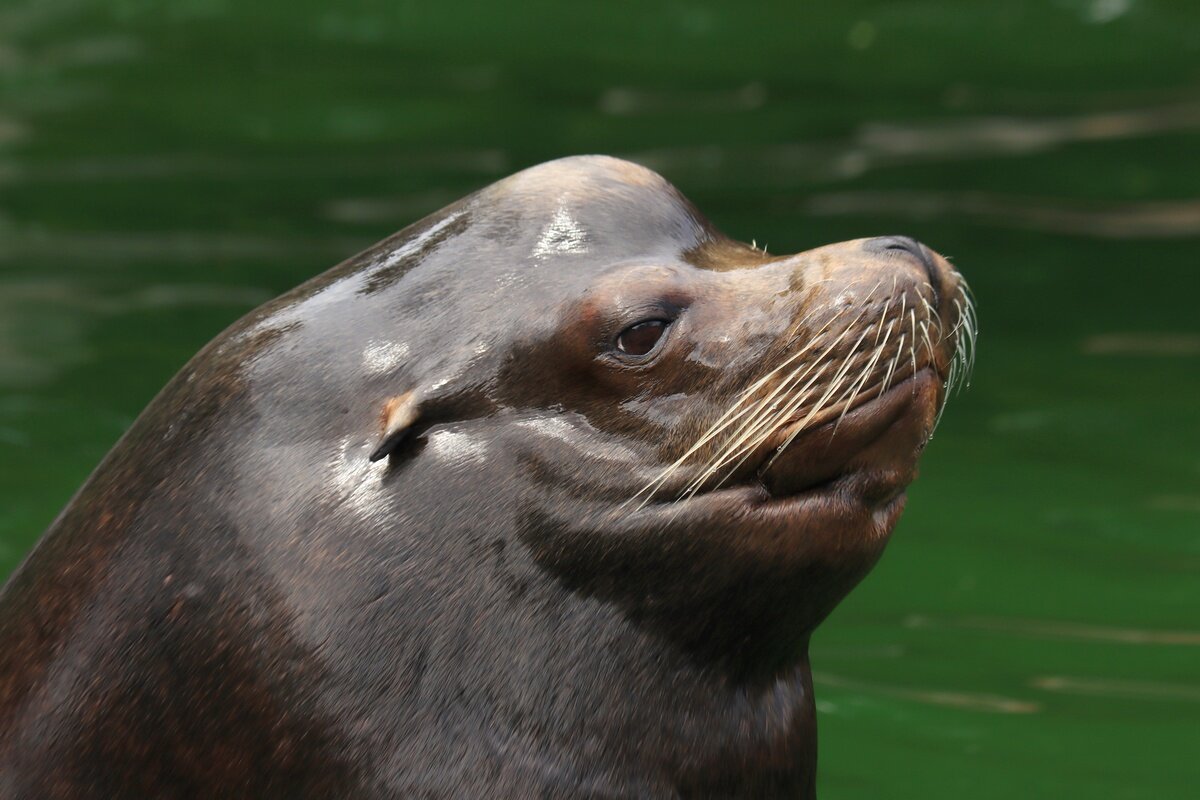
1034	629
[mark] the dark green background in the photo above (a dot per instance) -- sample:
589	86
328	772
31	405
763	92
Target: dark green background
1034	630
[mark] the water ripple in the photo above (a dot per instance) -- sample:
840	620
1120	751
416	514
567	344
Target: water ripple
968	701
1125	689
1152	220
1142	344
1055	629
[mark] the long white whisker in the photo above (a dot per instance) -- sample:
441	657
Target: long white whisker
760	419
912	347
837	382
866	373
752	443
928	342
738	410
747	438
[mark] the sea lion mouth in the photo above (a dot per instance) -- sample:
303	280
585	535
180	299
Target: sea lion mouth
868	452
863	456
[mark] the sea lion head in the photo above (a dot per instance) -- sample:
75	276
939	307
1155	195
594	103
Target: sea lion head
541	496
716	439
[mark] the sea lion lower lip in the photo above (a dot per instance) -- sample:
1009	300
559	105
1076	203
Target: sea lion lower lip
826	455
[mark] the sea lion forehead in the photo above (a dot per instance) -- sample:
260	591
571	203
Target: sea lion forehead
579	169
597	205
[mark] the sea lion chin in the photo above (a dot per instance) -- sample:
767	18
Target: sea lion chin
542	496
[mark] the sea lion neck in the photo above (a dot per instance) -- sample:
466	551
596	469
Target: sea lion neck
744	612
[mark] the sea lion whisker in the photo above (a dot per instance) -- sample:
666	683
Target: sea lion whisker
744	451
751	418
963	359
837	383
972	326
887	381
883	317
964	288
891	326
798	324
867	371
950	378
747	438
802	396
838	380
750	436
964	346
936	320
871	294
730	417
887	378
761	419
960	320
925	324
912	346
748	393
962	365
937	420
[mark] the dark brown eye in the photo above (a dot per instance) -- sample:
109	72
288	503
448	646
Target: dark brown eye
640	339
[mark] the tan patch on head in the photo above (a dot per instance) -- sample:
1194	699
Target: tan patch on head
721	254
398	411
581	169
636	174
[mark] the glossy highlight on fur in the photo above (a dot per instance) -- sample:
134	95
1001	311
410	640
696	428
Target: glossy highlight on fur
542	496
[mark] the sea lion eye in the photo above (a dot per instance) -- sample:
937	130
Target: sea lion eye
640	339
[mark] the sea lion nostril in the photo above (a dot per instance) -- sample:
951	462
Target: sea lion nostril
903	243
907	244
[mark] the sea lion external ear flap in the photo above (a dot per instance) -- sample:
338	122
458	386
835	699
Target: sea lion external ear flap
399	413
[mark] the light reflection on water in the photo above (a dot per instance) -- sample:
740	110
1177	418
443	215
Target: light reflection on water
1032	631
1052	629
1128	221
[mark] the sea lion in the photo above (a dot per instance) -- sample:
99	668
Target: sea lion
541	497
